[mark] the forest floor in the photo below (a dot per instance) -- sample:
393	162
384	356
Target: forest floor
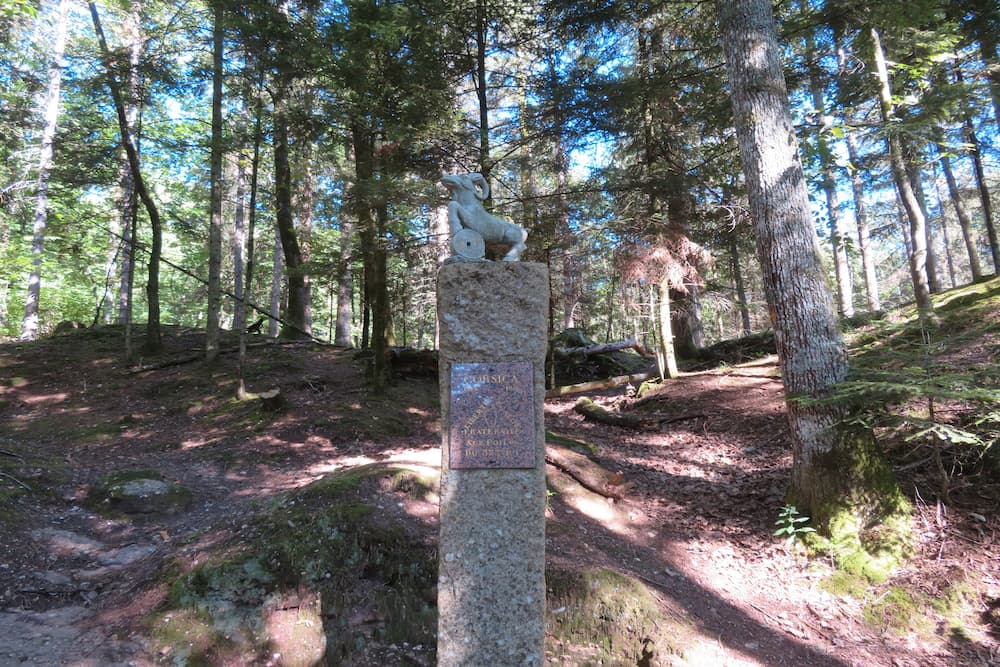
694	529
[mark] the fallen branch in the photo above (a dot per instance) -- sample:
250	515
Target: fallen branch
588	474
15	480
200	356
11	454
597	385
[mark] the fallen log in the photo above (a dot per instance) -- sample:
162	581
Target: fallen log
595	412
588	350
597	385
588	474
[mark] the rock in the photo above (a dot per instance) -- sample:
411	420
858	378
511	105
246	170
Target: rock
138	492
126	555
66	542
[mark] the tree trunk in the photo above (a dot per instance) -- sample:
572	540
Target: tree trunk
129	203
666	356
238	243
837	473
304	201
964	221
215	197
918	235
912	159
241	392
154	341
984	193
838	238
372	221
345	286
741	292
29	326
482	27
864	235
945	241
277	273
297	296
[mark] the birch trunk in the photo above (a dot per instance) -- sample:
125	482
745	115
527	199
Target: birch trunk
50	117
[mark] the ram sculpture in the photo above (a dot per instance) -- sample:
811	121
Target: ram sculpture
472	226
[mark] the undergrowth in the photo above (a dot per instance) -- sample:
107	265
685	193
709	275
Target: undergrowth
931	402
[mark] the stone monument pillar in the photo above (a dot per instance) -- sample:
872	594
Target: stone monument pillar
491	563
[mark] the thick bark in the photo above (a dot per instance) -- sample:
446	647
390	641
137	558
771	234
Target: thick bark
215	197
154	341
29	326
810	347
917	222
964	221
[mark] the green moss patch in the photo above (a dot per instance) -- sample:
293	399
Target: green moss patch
901	610
845	584
368	585
896	610
604	617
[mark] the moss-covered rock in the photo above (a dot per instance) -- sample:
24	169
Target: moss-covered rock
604	617
138	492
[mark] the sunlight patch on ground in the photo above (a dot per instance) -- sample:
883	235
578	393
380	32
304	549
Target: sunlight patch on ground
430	458
706	653
327	467
44	398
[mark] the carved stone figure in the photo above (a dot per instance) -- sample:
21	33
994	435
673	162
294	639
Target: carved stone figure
472	226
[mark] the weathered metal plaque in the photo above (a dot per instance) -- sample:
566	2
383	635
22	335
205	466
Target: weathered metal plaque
492	416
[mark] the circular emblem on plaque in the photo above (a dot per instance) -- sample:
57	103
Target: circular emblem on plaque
468	244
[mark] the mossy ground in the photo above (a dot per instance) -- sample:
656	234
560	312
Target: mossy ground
373	583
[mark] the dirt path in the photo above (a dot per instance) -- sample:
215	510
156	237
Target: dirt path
696	524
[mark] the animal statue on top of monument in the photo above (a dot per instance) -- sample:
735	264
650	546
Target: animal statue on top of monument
472	226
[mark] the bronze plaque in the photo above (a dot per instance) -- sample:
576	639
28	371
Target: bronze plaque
492	416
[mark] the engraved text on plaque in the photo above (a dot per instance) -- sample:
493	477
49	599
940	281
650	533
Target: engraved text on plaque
492	416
